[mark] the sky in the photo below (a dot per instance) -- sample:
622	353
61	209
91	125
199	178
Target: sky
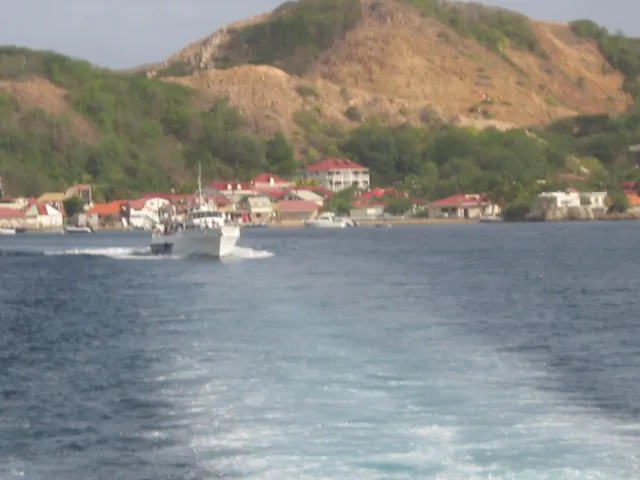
129	33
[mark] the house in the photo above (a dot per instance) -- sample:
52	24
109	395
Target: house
269	180
594	201
307	195
83	192
634	202
229	189
296	209
275	193
17	203
463	205
106	213
629	186
43	216
363	209
260	208
336	174
146	212
11	217
560	200
55	199
152	203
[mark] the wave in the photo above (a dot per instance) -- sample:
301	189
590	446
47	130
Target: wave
122	253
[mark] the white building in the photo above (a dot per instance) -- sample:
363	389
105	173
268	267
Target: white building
145	212
560	200
43	216
269	180
307	195
338	173
572	198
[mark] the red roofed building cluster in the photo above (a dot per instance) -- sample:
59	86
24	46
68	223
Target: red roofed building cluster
338	173
463	205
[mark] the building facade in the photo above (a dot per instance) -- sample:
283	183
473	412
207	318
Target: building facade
336	174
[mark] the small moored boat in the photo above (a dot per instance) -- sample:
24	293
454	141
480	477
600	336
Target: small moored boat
78	229
326	220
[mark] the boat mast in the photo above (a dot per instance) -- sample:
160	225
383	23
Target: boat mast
200	199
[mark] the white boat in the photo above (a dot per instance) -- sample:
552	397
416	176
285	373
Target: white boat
491	219
7	231
77	229
326	220
206	231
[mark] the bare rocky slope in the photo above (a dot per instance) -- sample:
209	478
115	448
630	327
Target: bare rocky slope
403	66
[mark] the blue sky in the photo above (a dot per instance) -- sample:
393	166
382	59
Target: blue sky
127	33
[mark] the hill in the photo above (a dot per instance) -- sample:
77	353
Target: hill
393	85
401	60
63	121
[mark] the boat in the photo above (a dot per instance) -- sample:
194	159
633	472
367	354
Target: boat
78	229
326	220
206	231
7	231
491	219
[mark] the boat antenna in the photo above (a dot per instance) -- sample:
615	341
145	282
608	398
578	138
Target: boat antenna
200	199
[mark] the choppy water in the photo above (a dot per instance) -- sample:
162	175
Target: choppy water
441	352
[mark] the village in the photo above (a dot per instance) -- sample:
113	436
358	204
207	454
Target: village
271	200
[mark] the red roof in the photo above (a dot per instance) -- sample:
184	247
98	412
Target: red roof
385	192
10	213
231	185
461	200
138	204
103	209
314	188
297	206
164	196
270	191
267	177
366	203
334	164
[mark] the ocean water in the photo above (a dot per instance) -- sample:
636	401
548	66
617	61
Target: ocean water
439	352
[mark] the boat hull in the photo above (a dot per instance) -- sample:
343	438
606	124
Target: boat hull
212	242
314	224
78	230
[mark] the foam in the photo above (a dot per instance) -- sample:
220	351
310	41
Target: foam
121	253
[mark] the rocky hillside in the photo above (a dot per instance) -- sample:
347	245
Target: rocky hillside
400	60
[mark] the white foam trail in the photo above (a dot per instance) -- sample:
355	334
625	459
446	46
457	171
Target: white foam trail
249	253
120	253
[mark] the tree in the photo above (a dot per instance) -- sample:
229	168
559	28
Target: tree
398	206
280	157
73	205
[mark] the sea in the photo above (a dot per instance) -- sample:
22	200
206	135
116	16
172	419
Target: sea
488	351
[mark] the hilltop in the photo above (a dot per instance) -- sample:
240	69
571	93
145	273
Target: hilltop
401	60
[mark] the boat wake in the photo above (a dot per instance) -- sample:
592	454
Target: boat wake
120	253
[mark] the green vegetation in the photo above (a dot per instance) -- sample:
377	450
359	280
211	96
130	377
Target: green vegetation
148	135
307	91
353	114
622	53
73	205
294	36
489	26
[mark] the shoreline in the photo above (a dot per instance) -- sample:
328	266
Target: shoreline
411	221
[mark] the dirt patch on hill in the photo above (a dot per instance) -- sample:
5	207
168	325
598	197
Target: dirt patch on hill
403	67
41	93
